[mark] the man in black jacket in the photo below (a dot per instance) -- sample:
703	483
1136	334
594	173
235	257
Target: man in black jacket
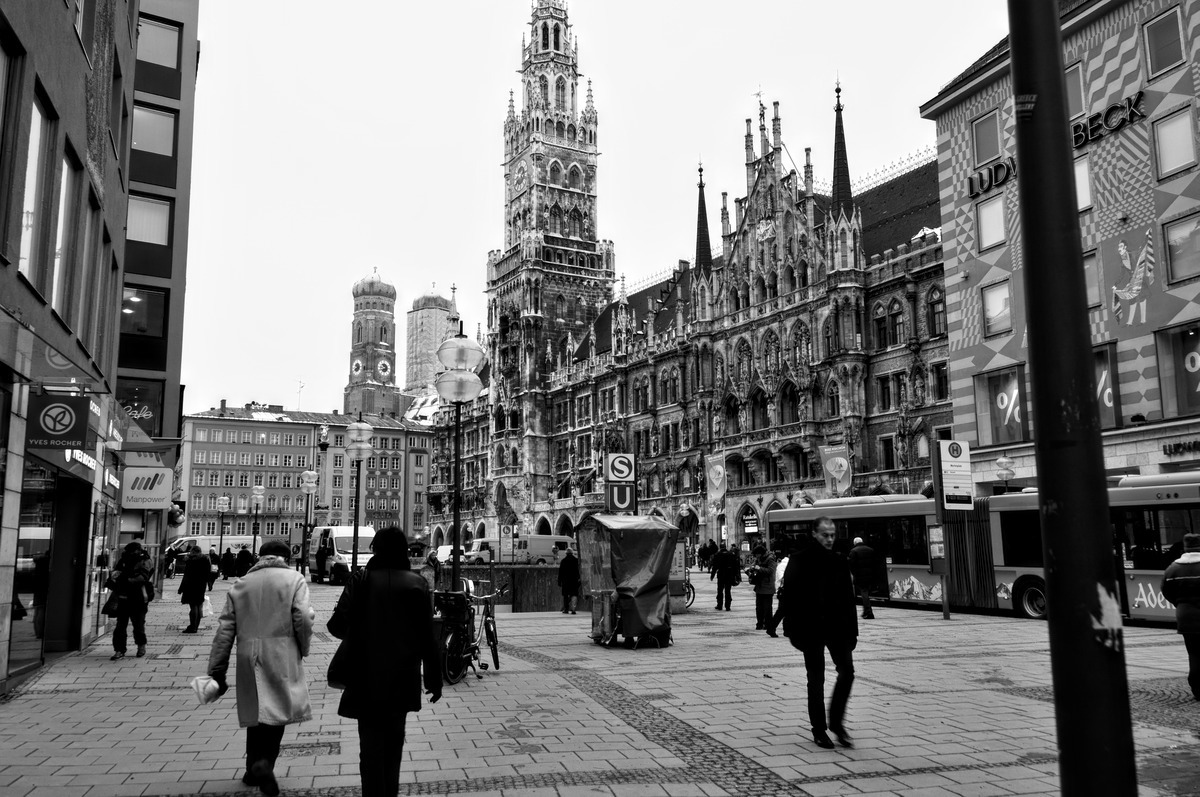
819	613
864	568
1181	586
727	570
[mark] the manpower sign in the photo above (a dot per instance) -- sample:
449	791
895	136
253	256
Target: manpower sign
146	488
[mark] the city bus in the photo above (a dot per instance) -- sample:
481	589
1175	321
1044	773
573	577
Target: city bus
994	551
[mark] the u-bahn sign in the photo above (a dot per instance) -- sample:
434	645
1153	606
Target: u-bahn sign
620	488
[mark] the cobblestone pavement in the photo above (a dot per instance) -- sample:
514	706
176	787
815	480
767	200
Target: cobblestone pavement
959	707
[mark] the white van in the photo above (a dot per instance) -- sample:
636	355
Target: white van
331	552
541	549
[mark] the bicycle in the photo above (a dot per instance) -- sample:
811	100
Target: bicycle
462	639
689	591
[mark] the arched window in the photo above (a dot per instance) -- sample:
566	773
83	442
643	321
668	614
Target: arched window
702	310
845	250
895	323
499	456
560	89
560	306
576	224
560	130
358	333
545	36
935	315
557	44
544	88
556	220
879	325
571	135
833	401
555	173
574	177
579	313
383	333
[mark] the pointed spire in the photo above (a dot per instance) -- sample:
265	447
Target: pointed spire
453	304
624	298
703	260
512	111
842	200
590	106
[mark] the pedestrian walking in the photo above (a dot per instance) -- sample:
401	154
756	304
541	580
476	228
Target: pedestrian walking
431	571
864	567
193	586
727	571
228	564
764	586
1181	586
214	566
268	613
132	582
712	555
568	580
169	562
819	613
386	615
245	560
777	618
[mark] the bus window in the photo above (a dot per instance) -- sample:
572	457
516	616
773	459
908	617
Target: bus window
1021	538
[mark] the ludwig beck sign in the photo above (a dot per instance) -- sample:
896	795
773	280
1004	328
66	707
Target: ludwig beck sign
146	488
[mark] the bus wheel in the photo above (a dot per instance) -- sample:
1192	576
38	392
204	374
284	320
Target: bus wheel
1030	599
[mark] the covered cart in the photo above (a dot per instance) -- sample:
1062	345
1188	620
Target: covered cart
625	563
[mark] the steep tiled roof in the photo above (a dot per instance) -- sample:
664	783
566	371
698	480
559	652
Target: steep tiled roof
661	295
895	211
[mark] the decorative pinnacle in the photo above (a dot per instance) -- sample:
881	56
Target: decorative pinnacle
838	91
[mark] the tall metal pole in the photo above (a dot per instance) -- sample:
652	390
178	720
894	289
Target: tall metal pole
221	532
357	508
454	551
1095	735
254	531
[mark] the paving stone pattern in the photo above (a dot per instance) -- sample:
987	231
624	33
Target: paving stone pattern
960	707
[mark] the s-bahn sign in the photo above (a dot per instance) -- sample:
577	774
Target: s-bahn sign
620	487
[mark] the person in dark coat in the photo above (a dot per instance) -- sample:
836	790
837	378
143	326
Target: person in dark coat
764	590
169	562
819	613
193	586
1181	586
864	567
727	570
228	564
568	581
132	581
245	560
214	566
385	611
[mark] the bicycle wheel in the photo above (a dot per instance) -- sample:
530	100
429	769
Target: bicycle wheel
689	593
489	627
454	655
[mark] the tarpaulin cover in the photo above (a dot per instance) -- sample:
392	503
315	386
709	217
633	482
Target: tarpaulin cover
640	555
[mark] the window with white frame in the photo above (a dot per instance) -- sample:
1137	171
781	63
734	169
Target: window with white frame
273	459
247	437
338	461
337	481
1164	43
986	135
243	480
287	460
1183	247
302	440
989	222
997	308
274	438
245	458
395	484
199	456
301	461
202	436
287	480
260	460
1174	142
230	458
1075	105
198	478
1083	183
289	439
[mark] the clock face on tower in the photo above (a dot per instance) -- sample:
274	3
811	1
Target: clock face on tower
356	367
384	368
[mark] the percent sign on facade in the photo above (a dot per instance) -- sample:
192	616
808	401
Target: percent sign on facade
1010	405
1103	389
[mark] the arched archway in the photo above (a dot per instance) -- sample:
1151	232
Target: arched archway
564	526
437	537
480	531
748	526
543	526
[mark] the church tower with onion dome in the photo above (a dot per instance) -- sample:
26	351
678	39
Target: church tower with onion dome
371	388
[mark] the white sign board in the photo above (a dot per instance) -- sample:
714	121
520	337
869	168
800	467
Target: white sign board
958	488
619	468
146	488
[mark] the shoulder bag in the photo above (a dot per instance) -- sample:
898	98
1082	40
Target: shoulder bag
341	667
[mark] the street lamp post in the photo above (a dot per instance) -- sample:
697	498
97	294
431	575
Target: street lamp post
222	508
358	449
308	486
256	498
1004	469
458	384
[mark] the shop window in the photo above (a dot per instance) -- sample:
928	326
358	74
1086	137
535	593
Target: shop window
1179	370
1075	106
1183	248
1164	43
142	400
1175	142
986	134
989	222
1000	414
1083	183
1091	278
997	308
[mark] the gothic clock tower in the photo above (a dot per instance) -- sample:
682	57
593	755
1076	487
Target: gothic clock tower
372	385
554	275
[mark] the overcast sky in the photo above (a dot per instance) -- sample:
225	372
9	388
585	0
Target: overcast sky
334	139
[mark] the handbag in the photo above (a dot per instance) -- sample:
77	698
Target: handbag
340	674
206	608
109	609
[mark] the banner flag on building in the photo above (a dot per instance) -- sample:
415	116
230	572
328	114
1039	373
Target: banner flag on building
835	464
714	470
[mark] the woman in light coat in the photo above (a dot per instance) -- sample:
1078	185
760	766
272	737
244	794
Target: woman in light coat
267	611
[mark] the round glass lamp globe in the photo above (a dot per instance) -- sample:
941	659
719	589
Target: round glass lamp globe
458	386
460	353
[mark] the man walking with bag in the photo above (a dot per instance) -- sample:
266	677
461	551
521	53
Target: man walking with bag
267	611
1181	586
819	613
